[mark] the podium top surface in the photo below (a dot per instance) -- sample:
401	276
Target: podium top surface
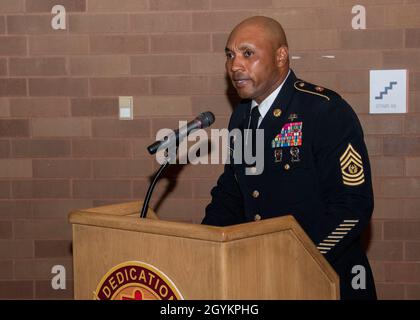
125	216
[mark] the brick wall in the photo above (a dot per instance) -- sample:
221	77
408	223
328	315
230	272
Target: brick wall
62	146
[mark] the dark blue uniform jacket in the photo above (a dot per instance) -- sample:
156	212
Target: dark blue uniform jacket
316	167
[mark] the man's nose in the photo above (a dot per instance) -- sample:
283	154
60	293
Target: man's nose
237	64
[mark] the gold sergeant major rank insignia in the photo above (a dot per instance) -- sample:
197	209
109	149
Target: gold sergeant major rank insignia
352	167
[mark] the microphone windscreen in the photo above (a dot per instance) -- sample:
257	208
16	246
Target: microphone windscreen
206	118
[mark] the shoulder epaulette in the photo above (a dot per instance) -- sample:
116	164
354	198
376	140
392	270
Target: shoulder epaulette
313	89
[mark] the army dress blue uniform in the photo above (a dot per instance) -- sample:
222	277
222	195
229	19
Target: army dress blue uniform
316	168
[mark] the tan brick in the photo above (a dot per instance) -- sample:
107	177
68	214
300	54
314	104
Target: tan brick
218	104
412	37
101	148
51	229
12	6
41	268
58	45
180	85
140	147
15	168
401	146
29	189
103	23
218	42
412	124
371	39
39	107
385	250
120	6
374	231
4	149
12	209
402	16
61	127
387	166
53	248
3	67
181	210
14	128
208	63
402	272
44	291
12	45
4	107
166	189
94	107
414	81
13	87
412	166
401	59
413	291
122	168
161	22
37	66
6	229
414	103
167	5
16	289
57	209
219	85
6	269
119	86
388	209
72	87
100	66
358	101
412	251
40	148
394	230
119	44
46	5
161	64
401	187
61	168
102	189
390	291
118	129
218	21
5	189
16	249
202	188
180	43
147	106
31	24
313	39
240	4
381	124
411	209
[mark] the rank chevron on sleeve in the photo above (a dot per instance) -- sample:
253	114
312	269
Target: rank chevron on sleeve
352	167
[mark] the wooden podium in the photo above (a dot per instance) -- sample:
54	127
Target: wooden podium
267	259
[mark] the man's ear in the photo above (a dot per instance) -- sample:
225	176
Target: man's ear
282	56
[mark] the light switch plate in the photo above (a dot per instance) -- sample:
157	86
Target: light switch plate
126	108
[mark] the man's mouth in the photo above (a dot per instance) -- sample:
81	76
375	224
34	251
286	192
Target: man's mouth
241	82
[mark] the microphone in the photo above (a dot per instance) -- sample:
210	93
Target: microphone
203	120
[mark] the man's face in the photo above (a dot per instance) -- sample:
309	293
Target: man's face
251	63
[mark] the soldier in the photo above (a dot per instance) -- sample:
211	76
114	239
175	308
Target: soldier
316	165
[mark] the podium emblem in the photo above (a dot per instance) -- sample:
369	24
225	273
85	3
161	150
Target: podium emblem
136	280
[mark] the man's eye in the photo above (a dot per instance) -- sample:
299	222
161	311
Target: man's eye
229	55
248	53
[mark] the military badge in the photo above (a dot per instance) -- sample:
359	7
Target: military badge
294	151
290	136
278	155
293	117
352	167
277	113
